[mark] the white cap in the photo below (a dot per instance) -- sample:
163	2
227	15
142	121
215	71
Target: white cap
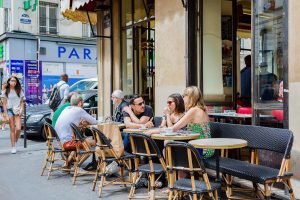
118	94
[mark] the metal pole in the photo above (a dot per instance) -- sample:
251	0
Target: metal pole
25	132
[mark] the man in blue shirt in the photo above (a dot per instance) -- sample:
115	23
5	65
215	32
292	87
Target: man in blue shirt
246	82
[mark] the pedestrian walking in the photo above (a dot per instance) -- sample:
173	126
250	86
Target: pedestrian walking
59	93
13	104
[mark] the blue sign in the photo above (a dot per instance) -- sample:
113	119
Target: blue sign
25	19
17	69
84	53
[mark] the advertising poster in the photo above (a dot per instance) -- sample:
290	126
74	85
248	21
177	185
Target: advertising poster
33	80
17	69
51	75
78	71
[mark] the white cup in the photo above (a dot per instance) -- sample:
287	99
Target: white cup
168	130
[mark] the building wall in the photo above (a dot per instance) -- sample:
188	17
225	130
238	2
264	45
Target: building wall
294	81
170	73
23	20
2	21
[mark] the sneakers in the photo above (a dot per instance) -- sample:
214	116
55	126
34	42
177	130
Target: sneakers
3	128
13	150
112	168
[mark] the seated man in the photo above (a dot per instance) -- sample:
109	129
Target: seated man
136	115
117	98
73	114
61	108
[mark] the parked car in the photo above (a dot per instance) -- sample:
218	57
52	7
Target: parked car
85	84
35	115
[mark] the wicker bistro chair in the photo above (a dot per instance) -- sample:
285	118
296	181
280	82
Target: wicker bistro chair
106	155
259	138
54	147
144	146
82	152
181	156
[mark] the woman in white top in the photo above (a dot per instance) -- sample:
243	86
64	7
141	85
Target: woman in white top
13	100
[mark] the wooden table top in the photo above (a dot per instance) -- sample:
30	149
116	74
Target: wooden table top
180	137
120	125
163	136
219	143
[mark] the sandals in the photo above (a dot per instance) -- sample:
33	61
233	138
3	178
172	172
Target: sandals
158	184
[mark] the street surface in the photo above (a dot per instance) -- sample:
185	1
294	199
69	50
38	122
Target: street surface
20	176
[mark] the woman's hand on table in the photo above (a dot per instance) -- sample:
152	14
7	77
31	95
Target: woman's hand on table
152	131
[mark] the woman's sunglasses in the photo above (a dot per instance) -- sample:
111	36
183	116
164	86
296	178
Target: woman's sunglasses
169	102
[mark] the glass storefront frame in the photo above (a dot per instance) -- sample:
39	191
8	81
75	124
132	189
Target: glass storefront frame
258	107
129	48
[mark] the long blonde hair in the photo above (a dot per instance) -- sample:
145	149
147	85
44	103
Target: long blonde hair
195	98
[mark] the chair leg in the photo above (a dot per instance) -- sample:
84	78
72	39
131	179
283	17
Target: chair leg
96	177
229	185
75	171
170	195
51	164
289	184
152	186
45	163
132	189
267	192
216	197
102	180
194	196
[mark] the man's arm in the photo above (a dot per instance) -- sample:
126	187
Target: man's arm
87	117
129	124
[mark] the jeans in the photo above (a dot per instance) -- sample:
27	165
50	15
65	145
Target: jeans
126	142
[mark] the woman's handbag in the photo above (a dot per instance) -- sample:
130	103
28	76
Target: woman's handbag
16	110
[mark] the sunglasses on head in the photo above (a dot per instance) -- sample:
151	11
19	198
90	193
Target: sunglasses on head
139	104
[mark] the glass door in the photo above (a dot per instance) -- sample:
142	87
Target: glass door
270	65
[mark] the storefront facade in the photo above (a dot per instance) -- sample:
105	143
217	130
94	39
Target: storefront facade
193	47
56	56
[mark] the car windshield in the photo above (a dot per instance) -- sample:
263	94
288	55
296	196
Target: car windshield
82	85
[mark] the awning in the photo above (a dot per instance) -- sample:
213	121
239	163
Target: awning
79	10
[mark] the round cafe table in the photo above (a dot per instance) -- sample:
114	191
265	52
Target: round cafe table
163	136
217	144
180	137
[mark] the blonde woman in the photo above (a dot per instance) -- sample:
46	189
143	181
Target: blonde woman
195	118
13	100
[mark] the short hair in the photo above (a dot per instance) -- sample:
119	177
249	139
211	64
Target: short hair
118	93
70	95
134	97
247	59
75	99
63	75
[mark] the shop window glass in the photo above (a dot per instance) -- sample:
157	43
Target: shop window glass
127	61
268	50
48	18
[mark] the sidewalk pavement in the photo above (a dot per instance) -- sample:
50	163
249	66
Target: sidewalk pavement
20	177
